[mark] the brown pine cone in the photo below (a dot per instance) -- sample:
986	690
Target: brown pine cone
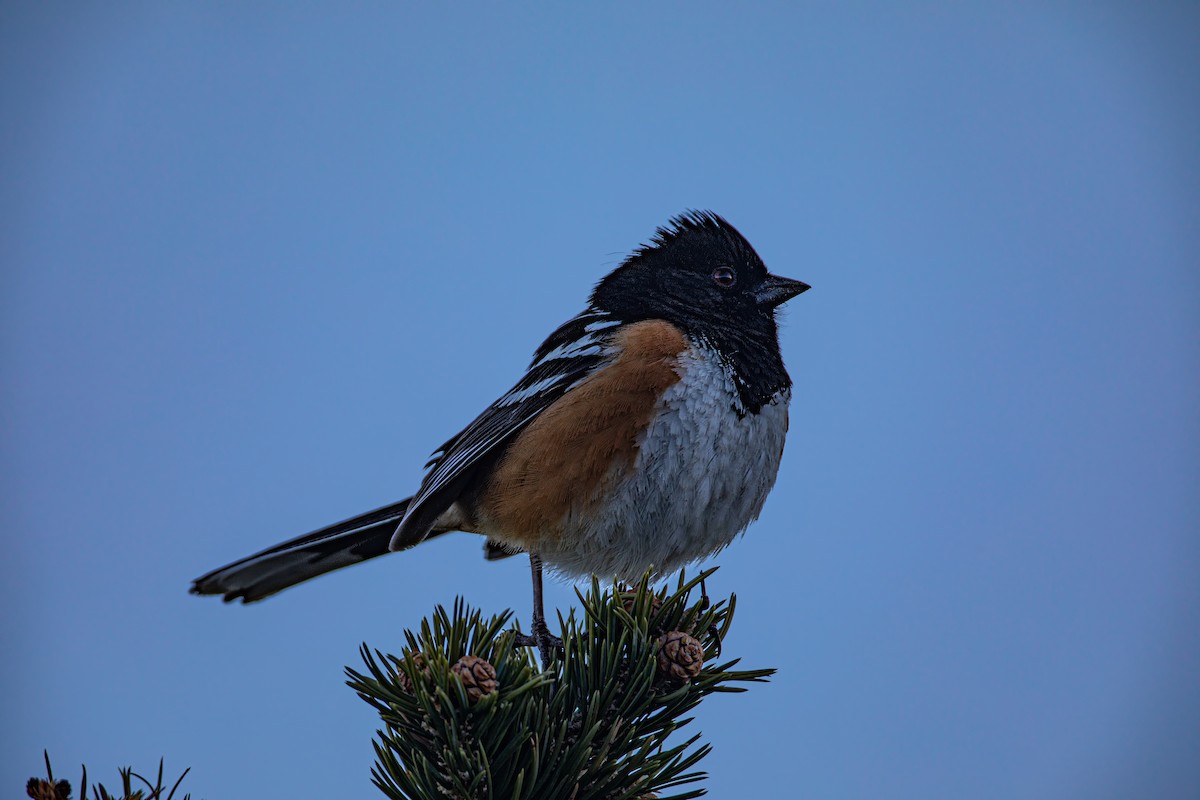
478	677
629	599
419	663
40	789
680	657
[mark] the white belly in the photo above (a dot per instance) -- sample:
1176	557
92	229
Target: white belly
701	475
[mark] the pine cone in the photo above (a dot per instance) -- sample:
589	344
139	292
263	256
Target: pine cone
629	600
478	677
680	657
418	662
40	789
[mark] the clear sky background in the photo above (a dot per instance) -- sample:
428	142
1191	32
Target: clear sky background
260	259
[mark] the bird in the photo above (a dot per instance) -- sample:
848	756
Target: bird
645	434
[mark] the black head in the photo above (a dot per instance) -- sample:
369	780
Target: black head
702	275
699	273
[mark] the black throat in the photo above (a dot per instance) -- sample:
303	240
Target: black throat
753	359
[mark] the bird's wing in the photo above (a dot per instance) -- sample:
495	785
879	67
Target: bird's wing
572	353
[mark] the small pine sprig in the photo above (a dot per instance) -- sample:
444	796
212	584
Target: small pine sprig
49	789
466	714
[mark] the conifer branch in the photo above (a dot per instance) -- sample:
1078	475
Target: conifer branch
466	714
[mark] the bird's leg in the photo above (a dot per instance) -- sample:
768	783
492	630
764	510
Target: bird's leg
541	638
547	644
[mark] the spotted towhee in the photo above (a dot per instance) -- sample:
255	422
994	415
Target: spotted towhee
646	432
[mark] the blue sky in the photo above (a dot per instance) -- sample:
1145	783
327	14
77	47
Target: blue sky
259	260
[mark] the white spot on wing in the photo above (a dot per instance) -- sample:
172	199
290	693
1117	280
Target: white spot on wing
600	325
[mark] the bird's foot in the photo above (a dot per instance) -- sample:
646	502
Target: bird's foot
548	644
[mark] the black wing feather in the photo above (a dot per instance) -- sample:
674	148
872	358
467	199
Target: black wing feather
570	354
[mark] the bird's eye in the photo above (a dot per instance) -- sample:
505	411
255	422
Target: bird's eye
724	277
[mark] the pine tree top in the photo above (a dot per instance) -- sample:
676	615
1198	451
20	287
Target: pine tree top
467	714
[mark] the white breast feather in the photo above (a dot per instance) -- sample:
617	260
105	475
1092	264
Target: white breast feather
701	476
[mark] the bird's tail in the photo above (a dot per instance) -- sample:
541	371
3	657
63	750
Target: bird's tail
295	561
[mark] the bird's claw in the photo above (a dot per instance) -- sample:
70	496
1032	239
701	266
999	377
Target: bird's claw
548	644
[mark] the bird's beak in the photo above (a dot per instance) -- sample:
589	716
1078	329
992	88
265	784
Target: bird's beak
775	291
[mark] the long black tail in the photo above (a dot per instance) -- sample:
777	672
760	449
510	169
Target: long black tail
263	574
